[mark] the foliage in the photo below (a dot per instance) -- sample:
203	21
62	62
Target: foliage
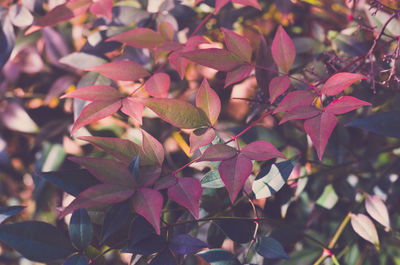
199	132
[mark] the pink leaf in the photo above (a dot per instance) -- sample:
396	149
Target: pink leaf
278	86
220	4
139	38
238	74
339	82
178	62
187	192
253	3
208	101
102	8
121	70
99	195
300	112
106	170
132	108
261	150
152	148
218	59
201	137
195	41
179	113
283	50
294	99
345	104
95	111
234	173
377	209
364	227
218	152
122	149
158	85
320	129
94	92
166	30
237	44
148	203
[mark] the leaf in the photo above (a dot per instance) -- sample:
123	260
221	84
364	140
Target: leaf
102	8
37	241
133	108
271	179
139	38
165	257
72	181
261	150
208	101
152	148
77	259
7	38
121	70
140	229
148	203
364	227
238	74
218	152
295	99
263	62
80	229
384	123
345	104
114	219
237	44
377	209
99	195
220	4
134	169
300	112
215	58
179	113
278	86
94	92
178	62
201	137
122	149
212	180
240	231
151	244
166	30
234	173
186	244
14	117
219	257
20	16
81	60
283	50
8	211
158	85
55	45
320	129
187	192
95	111
252	3
328	198
339	82
270	248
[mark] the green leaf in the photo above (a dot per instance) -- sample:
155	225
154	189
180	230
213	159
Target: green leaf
328	198
270	248
212	180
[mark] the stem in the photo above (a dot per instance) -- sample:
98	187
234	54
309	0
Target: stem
201	24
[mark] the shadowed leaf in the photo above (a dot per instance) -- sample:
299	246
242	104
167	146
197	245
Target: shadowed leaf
80	229
148	203
115	218
384	123
270	248
219	257
187	192
8	211
299	113
238	74
283	50
186	244
218	152
278	86
240	231
77	259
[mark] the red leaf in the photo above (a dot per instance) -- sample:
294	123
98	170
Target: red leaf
122	149
300	112
339	82
148	203
278	86
208	101
234	173
187	192
294	99
218	152
102	8
283	50
179	113
238	74
320	129
152	148
253	3
95	111
178	62
218	59
121	70
132	108
220	4
201	137
261	150
158	85
139	38
99	195
345	104
166	30
94	92
195	41
237	44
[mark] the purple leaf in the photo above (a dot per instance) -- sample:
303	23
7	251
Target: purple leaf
237	44
218	152
139	38
365	228
158	85
300	112
187	192
261	150
201	137
94	93
55	45
283	50
377	210
278	86
121	70
148	203
208	101
238	74
186	244
345	104
339	82
59	87
218	59
295	99
152	148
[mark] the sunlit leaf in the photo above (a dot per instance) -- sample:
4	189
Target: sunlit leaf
8	211
152	148
132	108
328	198
102	8
299	113
208	101
94	92
148	203
218	152
283	50
295	99
261	150
270	248
20	16
80	229
201	137
139	38
186	244
278	86
121	70
377	209
212	180
237	44
158	85
187	192
14	117
365	228
345	104
81	60
339	82
218	59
